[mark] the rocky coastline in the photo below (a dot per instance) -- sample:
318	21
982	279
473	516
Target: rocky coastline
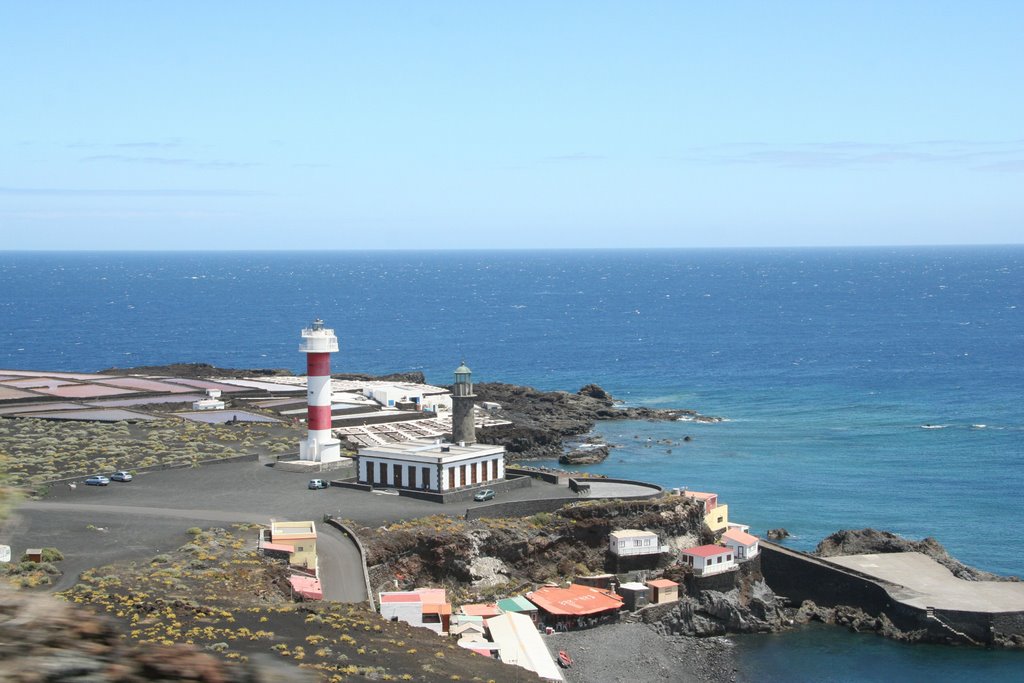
544	421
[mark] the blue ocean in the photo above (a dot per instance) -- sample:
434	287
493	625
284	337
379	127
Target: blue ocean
860	387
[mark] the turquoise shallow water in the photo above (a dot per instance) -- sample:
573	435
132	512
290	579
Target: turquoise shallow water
827	363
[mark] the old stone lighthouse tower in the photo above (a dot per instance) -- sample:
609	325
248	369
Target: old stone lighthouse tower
463	400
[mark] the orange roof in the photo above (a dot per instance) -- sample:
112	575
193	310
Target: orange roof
740	537
662	583
575	600
699	495
437	608
431	595
481	610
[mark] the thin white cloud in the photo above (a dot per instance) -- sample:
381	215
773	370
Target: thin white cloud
167	161
575	156
130	144
979	155
123	192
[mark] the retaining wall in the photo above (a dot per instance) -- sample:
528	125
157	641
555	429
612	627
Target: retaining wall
557	478
800	577
509	484
519	508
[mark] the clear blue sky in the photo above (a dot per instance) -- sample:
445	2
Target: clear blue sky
270	125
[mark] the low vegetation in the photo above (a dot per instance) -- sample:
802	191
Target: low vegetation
28	573
37	451
216	593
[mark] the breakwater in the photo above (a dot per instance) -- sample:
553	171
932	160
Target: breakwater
800	577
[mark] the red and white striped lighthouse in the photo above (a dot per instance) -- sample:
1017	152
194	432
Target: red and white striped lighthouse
318	343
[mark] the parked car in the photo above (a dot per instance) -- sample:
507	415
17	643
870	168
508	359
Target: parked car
318	484
121	475
97	480
486	494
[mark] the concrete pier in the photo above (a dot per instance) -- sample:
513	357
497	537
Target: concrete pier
914	591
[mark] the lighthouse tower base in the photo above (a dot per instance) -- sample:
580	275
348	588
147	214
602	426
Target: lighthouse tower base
320	451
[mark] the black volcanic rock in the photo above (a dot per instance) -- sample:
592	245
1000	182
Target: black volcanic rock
585	456
543	420
867	541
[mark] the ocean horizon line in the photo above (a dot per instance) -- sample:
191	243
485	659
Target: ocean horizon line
535	250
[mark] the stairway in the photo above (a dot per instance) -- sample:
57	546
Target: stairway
929	613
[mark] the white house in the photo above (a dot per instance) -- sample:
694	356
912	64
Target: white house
627	542
709	559
424	607
744	545
430	465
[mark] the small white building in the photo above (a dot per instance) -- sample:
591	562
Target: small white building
430	465
423	396
743	545
211	402
424	607
709	559
627	542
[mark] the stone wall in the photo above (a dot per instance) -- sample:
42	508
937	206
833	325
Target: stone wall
519	508
557	478
465	495
722	582
798	578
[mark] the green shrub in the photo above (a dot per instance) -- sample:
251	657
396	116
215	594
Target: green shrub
193	531
52	555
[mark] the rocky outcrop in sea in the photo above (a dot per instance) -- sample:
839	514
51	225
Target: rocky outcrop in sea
867	541
542	421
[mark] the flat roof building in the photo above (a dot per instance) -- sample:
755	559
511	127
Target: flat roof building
626	542
296	539
430	465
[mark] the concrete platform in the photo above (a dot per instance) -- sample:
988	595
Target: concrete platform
926	583
616	489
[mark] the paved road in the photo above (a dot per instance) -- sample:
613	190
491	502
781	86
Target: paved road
341	571
134	521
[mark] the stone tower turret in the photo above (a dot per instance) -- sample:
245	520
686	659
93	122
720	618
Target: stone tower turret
463	400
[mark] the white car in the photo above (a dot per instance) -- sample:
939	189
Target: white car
121	475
